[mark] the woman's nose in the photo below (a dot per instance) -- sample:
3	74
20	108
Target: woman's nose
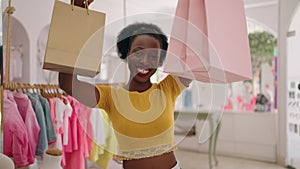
144	59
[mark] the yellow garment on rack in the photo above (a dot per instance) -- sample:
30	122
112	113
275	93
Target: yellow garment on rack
100	154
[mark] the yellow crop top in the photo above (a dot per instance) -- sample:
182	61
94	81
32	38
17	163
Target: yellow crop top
143	121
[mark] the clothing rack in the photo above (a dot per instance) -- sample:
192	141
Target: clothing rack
47	90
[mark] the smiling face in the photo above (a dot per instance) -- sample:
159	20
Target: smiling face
143	58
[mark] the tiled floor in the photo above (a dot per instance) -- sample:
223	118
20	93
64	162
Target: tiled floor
195	160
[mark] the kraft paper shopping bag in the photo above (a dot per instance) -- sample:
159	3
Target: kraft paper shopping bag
209	42
75	40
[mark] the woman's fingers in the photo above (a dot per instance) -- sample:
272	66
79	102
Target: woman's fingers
81	3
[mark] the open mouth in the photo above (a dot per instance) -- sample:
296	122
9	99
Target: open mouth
142	71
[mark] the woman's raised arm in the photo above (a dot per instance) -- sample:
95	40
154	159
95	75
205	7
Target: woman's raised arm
84	92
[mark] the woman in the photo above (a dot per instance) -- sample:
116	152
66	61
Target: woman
141	112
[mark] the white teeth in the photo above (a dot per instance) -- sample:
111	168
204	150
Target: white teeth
142	71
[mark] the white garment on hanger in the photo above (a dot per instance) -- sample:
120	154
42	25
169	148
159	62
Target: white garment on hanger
97	122
63	111
67	114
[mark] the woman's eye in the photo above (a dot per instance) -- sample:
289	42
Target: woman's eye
139	53
153	57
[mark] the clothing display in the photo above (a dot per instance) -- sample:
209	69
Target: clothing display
42	137
102	153
34	123
133	113
75	153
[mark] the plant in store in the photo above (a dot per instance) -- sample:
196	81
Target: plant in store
262	45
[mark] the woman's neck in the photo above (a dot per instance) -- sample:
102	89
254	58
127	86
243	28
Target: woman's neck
138	86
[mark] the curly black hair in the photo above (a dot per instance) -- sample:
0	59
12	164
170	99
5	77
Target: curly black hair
129	33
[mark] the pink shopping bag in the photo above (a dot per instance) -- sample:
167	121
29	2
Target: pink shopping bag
209	42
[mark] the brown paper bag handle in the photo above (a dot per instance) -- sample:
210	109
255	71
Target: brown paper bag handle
86	4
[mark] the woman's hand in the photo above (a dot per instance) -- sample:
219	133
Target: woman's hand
81	3
186	82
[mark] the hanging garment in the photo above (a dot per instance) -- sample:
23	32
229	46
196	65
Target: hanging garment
53	114
102	155
97	123
67	114
29	117
42	144
48	120
62	114
16	142
75	154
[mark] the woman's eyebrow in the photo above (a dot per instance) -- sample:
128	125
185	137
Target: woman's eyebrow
137	48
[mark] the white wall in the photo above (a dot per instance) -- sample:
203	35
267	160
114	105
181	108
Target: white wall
293	50
293	75
286	11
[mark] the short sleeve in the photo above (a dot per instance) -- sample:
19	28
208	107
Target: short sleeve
173	84
104	92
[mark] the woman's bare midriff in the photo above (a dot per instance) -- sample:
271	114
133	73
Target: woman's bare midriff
164	161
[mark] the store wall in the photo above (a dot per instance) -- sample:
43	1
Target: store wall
286	12
293	50
33	16
19	47
293	98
